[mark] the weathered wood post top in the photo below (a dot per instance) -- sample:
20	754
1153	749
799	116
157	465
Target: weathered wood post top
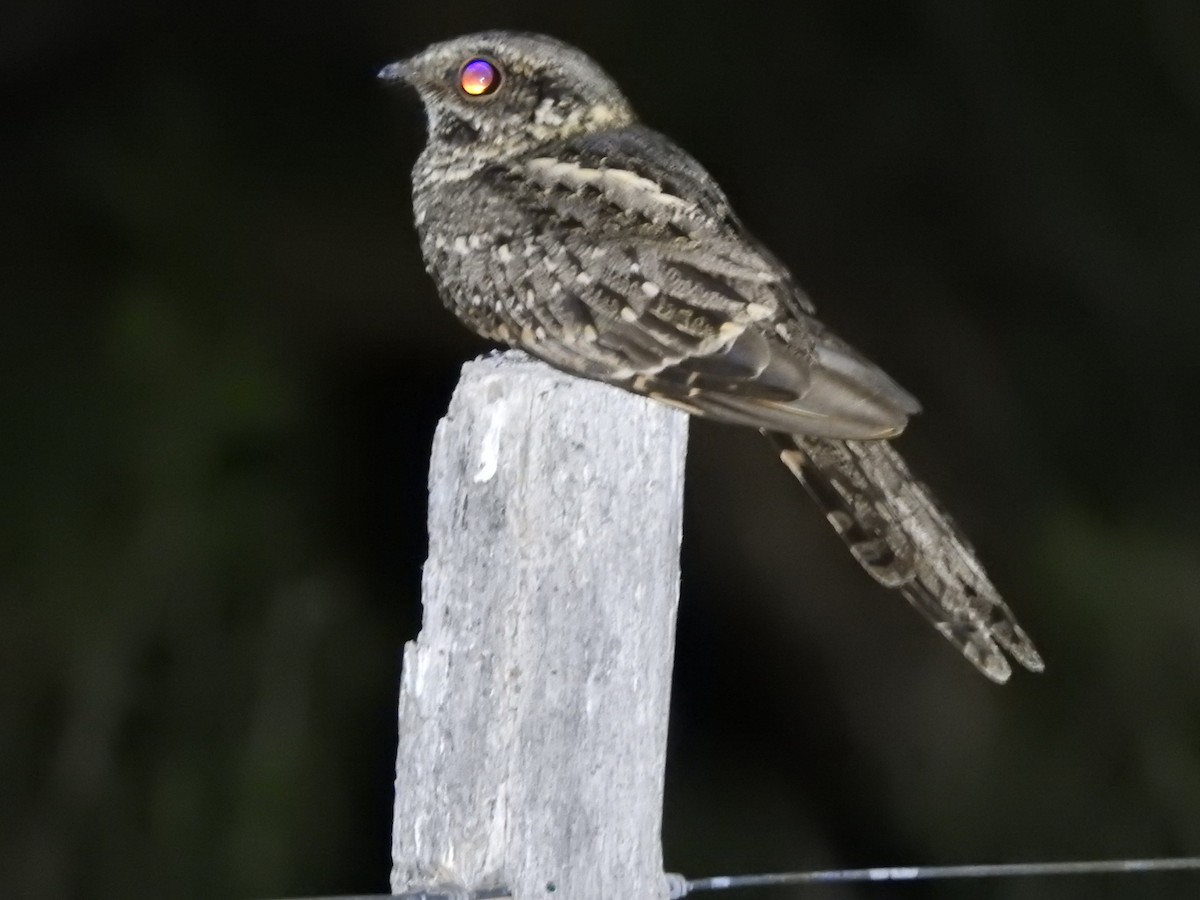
534	703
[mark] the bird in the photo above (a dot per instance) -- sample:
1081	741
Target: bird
553	221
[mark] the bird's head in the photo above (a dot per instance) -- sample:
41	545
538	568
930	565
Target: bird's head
496	94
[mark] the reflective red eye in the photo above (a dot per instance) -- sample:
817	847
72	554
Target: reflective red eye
479	77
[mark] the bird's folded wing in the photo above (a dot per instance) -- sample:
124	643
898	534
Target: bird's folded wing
661	291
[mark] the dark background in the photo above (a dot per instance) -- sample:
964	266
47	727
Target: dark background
222	362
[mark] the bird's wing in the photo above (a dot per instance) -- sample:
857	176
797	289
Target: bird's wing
652	283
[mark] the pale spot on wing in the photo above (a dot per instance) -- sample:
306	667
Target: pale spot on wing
561	172
619	181
546	114
621	178
603	114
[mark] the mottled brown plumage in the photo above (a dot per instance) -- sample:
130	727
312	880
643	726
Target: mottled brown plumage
552	220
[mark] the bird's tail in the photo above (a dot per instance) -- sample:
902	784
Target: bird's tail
899	534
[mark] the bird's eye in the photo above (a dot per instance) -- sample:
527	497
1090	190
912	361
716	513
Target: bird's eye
479	77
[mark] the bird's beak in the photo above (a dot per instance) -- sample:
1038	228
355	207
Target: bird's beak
396	72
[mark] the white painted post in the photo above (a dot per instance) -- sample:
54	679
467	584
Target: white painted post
533	705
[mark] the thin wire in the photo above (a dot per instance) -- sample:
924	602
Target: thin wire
681	887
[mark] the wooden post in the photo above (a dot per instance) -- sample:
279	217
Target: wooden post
533	705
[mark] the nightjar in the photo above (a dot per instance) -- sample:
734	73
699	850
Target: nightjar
553	221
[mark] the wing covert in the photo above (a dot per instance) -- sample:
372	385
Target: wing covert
660	289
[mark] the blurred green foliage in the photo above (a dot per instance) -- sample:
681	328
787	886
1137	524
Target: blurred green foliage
222	364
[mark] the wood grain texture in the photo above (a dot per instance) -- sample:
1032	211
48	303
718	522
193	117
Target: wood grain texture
534	703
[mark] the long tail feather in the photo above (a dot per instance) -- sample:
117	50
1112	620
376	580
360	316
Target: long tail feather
896	530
